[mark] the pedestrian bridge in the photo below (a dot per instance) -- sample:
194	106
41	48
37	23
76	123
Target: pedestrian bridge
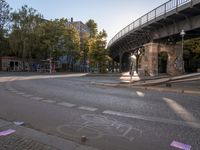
156	32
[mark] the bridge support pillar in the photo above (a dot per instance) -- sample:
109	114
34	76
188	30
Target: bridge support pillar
120	62
113	66
154	61
150	64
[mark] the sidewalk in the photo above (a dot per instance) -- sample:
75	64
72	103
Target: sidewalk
164	79
189	83
28	139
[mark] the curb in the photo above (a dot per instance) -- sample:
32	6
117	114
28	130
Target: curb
160	89
103	75
153	82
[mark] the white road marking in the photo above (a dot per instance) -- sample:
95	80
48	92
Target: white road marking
37	98
48	101
179	110
20	93
140	94
153	119
66	104
27	95
88	108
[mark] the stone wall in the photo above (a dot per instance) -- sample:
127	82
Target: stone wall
149	62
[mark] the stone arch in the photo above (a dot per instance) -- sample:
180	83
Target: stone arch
150	59
162	62
172	51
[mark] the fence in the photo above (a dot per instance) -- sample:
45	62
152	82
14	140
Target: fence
157	12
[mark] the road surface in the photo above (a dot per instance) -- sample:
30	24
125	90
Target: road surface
112	118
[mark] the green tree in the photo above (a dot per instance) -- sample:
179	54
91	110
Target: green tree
192	54
193	45
48	33
4	22
4	47
72	42
23	38
59	38
96	47
98	54
84	48
4	14
93	28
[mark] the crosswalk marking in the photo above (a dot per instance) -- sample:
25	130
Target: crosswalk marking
88	108
48	101
66	104
27	95
37	98
20	93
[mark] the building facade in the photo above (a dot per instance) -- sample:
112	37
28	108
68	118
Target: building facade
82	28
10	64
84	32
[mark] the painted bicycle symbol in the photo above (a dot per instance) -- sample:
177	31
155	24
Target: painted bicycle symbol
97	126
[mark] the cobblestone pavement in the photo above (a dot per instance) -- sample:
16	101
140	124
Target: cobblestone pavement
16	142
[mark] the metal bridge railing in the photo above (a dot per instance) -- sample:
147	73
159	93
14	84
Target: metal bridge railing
155	13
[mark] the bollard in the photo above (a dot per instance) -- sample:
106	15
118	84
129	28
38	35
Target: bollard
83	139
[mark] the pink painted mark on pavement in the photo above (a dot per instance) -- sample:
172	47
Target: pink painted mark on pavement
7	132
180	145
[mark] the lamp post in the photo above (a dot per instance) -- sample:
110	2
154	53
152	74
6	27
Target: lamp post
182	36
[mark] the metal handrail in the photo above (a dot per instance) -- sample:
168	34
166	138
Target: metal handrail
152	15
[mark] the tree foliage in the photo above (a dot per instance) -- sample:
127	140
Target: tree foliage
93	28
4	14
4	47
33	37
24	38
59	38
4	22
193	45
98	54
84	48
192	54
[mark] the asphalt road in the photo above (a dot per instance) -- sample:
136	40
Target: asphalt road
71	106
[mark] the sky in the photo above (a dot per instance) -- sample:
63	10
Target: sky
111	15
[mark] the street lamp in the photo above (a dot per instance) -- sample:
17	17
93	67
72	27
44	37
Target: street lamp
182	35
